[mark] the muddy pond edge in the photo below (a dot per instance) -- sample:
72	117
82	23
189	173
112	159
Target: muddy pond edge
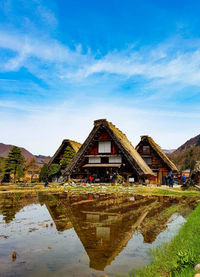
178	257
153	190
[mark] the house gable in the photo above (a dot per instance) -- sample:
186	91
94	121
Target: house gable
59	154
153	155
106	142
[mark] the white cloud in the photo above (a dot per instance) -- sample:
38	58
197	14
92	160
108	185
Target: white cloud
47	57
46	15
45	50
43	129
163	69
183	68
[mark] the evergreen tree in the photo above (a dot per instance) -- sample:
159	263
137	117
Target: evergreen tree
53	171
2	167
14	164
198	142
44	173
68	156
188	159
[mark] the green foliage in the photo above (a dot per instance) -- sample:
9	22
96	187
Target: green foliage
49	172
198	142
14	164
53	171
185	259
120	179
44	173
68	156
2	167
188	159
178	257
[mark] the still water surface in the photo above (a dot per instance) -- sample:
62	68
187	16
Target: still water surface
70	234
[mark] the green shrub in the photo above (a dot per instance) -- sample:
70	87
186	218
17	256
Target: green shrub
185	259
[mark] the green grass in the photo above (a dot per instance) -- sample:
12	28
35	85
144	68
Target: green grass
177	258
103	188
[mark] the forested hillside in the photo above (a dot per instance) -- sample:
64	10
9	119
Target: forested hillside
187	154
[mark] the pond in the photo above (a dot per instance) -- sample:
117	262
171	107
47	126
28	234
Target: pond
71	234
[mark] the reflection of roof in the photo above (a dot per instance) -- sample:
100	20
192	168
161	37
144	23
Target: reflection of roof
103	237
159	151
106	224
121	141
57	209
75	145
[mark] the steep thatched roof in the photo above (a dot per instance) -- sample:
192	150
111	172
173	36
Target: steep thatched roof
159	151
121	141
75	145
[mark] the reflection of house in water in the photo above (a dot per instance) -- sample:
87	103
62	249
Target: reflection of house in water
105	223
57	209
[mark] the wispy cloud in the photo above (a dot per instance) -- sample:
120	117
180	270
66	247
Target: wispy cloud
181	67
45	14
163	65
26	46
47	84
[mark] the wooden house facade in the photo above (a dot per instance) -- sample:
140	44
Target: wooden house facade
156	159
59	154
105	154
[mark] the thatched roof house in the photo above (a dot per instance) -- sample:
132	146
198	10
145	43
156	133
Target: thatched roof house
155	158
60	152
107	152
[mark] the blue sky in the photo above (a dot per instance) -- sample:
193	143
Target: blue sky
66	63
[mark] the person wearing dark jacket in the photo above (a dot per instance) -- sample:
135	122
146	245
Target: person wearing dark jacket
46	183
170	179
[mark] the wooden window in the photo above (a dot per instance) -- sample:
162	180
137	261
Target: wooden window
146	149
148	160
103	233
115	159
104	147
94	160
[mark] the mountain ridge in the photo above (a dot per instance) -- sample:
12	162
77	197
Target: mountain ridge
187	154
192	142
40	159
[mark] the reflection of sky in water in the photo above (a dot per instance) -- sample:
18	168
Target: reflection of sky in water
136	253
42	250
66	249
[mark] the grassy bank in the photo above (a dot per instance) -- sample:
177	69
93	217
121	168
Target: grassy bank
178	257
101	188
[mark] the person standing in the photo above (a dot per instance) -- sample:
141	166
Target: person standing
171	179
184	179
46	183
